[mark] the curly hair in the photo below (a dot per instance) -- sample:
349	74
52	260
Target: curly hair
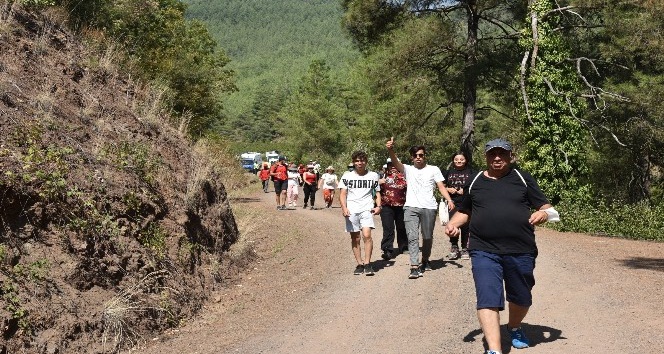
359	155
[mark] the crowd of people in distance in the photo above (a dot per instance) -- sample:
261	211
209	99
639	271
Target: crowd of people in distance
492	219
289	177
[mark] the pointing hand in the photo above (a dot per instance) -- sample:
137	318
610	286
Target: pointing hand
390	143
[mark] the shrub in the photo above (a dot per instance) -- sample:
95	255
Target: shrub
636	221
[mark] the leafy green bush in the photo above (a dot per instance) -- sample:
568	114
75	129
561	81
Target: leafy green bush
636	221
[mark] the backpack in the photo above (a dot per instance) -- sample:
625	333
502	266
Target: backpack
273	169
479	173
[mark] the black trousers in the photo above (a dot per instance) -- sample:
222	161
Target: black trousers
391	218
309	193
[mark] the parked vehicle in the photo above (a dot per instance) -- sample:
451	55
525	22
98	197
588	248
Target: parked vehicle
251	161
272	157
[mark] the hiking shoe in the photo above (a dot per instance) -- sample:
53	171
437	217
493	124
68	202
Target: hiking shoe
426	266
454	253
368	270
359	269
465	255
519	340
414	273
387	255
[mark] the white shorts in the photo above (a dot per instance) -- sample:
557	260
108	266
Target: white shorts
356	222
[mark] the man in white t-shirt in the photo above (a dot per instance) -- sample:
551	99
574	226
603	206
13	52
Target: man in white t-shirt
358	188
420	209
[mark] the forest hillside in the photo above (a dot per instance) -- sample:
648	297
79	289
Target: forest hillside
272	43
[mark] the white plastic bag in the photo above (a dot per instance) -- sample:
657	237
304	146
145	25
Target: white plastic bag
443	213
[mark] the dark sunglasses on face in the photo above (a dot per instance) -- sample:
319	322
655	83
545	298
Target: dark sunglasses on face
418	155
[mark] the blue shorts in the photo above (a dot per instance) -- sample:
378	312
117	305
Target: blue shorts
491	270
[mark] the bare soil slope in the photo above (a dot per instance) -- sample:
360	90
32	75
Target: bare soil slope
111	226
593	295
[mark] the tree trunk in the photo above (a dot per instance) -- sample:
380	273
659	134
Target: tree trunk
470	83
639	186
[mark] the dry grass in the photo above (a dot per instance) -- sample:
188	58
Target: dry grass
6	10
117	313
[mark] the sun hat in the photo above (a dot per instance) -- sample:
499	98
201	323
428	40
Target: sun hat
497	143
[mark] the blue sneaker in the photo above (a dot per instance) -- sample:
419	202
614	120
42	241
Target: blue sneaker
492	352
519	340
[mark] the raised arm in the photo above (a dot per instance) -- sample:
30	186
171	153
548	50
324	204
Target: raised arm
395	161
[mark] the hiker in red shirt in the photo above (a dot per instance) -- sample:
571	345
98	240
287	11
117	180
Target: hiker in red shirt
264	175
279	173
310	186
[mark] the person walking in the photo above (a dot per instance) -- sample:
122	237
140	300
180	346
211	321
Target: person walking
499	204
328	182
279	174
356	195
420	208
264	175
393	197
309	187
294	180
455	178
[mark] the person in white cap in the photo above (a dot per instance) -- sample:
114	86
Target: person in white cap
393	188
499	204
328	182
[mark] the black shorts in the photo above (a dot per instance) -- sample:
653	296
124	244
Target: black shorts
280	185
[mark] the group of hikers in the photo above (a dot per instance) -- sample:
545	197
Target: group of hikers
493	213
289	177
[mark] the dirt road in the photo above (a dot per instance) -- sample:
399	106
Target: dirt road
593	295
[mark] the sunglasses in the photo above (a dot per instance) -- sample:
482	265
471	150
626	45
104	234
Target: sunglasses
418	155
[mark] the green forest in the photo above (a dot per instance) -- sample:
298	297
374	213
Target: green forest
574	85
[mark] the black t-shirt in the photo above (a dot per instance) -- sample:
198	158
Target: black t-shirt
499	210
458	178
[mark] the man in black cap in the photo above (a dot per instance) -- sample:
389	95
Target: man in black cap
279	174
499	203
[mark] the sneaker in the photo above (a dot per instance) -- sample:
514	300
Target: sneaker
368	270
519	340
387	255
414	273
304	206
454	253
492	352
359	269
312	208
464	254
426	266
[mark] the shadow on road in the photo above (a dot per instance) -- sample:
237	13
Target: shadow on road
245	200
536	333
644	263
